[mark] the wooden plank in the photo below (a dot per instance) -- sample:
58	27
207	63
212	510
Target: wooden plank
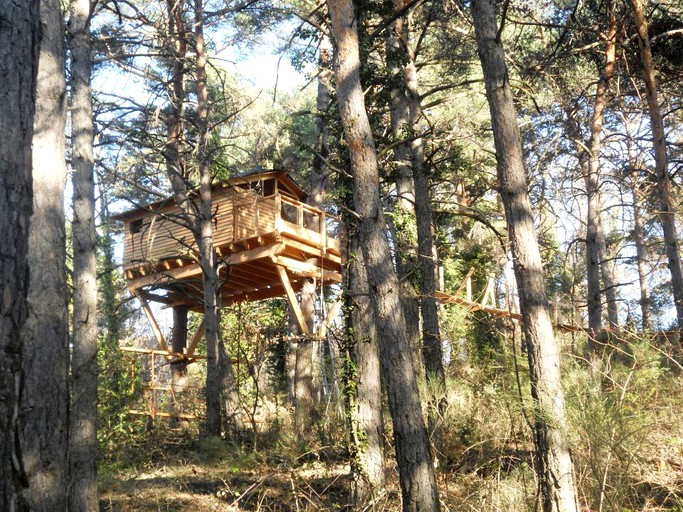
196	338
307	269
291	297
153	414
165	353
153	322
474	306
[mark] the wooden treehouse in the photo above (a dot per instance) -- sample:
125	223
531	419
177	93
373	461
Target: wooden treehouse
268	241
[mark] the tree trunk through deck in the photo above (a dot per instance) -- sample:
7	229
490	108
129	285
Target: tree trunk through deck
367	460
19	43
555	468
83	430
222	372
44	413
667	207
416	472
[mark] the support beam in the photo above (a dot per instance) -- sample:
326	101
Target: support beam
306	268
291	297
196	339
152	322
165	353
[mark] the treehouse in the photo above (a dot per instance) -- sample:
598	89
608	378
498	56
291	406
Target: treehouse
267	239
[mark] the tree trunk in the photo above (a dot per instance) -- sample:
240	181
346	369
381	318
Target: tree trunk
641	254
224	376
367	461
45	376
405	235
407	102
433	355
19	44
639	229
596	250
83	427
416	472
555	468
667	208
178	368
304	389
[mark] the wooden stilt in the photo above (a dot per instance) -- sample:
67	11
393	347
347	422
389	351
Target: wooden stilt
291	297
153	322
196	339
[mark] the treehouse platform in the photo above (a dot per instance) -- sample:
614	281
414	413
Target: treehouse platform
267	239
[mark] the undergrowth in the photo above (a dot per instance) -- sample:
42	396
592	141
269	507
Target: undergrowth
624	425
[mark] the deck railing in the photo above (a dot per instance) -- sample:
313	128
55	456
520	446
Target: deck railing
278	212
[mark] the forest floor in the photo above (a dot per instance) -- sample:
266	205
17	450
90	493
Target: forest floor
187	486
625	432
218	477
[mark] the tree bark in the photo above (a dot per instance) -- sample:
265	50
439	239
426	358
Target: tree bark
431	335
407	101
667	208
45	393
367	461
304	389
555	468
19	45
83	419
416	472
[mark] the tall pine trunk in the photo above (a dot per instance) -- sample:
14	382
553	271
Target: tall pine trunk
416	472
83	429
19	44
407	101
404	222
45	393
365	398
638	227
224	374
555	468
667	205
597	264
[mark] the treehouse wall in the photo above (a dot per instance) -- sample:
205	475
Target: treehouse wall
155	237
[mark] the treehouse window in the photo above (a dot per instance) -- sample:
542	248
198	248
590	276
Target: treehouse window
136	226
312	221
268	188
290	213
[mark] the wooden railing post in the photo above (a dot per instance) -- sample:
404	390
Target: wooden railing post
278	213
